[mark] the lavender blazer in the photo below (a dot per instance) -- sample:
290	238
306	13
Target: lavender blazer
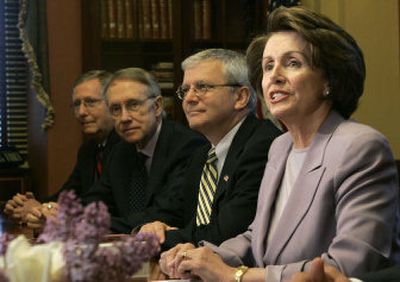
342	206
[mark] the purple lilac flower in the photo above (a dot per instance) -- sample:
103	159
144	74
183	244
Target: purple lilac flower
95	224
62	227
82	230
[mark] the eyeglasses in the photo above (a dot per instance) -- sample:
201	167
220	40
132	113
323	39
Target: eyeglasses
200	88
131	106
89	103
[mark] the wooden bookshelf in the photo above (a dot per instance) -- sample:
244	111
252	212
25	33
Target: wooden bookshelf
164	32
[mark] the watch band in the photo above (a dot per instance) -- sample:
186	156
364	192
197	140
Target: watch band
240	271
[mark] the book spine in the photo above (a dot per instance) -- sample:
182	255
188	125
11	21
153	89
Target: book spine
155	18
164	24
206	19
197	19
121	27
147	30
129	19
104	18
170	15
112	21
139	5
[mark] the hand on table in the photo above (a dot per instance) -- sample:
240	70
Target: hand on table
157	228
319	272
170	259
17	207
37	216
203	263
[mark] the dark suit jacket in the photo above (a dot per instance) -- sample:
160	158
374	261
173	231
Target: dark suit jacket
83	174
174	147
391	274
235	200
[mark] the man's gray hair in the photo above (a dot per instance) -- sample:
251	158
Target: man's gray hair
136	75
234	66
102	75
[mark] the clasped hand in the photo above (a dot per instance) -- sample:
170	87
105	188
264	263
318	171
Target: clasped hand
188	262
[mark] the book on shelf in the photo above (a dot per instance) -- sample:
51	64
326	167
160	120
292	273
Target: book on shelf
170	15
206	19
146	14
155	18
164	74
166	84
202	19
112	21
164	23
103	18
198	18
139	5
121	26
130	18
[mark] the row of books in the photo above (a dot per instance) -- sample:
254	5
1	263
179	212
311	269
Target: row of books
128	19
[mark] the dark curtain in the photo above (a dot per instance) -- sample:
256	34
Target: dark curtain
33	32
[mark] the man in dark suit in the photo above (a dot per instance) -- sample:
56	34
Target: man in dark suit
143	171
97	124
218	101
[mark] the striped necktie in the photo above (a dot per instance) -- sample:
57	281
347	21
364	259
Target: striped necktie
208	186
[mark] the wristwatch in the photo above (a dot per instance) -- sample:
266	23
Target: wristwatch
240	271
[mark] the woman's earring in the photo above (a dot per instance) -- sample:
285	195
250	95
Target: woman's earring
327	92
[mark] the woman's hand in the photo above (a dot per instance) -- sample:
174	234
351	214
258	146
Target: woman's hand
170	259
319	272
204	263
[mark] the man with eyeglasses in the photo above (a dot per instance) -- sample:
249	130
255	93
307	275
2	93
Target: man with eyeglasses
145	170
220	189
97	124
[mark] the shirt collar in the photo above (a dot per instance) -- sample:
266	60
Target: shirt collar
148	150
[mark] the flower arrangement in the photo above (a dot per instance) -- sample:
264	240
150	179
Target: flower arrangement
81	231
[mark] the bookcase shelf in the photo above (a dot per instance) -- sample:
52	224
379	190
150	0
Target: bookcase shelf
193	25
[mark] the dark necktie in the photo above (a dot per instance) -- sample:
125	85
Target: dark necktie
99	160
137	191
208	186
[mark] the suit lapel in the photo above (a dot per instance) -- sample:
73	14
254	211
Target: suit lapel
304	190
268	190
234	152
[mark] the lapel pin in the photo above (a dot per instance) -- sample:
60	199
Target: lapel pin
226	178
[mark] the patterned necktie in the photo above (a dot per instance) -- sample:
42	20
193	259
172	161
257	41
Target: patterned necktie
208	186
137	191
99	161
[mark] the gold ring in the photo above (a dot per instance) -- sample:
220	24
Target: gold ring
184	255
49	206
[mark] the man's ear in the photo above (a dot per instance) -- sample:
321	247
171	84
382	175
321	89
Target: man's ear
158	105
242	98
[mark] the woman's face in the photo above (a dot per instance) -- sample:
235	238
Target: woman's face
292	88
